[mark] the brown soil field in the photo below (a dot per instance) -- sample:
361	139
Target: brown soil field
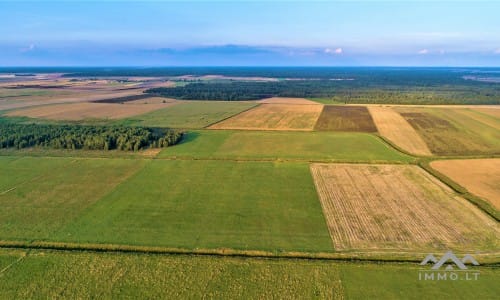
63	96
282	100
396	129
274	117
390	207
479	176
345	118
88	110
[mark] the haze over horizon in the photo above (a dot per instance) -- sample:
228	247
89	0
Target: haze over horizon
245	33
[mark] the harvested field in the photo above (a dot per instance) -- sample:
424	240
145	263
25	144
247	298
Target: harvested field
450	131
495	112
478	176
88	110
487	119
345	118
282	100
36	97
396	129
398	207
274	117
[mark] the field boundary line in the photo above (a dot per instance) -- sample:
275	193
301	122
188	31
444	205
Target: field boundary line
487	258
395	147
285	160
236	114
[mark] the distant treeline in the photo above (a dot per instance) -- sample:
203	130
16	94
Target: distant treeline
123	99
348	91
86	137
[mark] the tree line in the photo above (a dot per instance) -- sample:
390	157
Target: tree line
86	137
348	91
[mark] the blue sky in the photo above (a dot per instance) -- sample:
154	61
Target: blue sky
423	33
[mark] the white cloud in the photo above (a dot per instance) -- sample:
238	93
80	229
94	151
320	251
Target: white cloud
423	51
31	47
333	51
497	51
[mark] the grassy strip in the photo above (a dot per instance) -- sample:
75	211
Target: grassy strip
477	201
492	258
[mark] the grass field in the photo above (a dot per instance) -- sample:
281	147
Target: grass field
209	204
396	129
375	281
398	207
274	117
480	176
458	131
345	118
191	114
38	196
63	275
284	145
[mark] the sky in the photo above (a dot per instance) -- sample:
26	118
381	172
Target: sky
249	33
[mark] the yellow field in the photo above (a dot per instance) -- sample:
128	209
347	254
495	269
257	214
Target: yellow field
398	207
492	111
485	116
274	117
396	129
478	176
88	110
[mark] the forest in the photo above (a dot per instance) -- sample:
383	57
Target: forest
86	137
346	91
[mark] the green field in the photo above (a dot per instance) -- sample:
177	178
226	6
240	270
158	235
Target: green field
209	204
193	114
38	196
448	131
68	275
324	146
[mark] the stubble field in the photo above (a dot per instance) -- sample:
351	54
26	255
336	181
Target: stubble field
398	207
274	117
396	129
